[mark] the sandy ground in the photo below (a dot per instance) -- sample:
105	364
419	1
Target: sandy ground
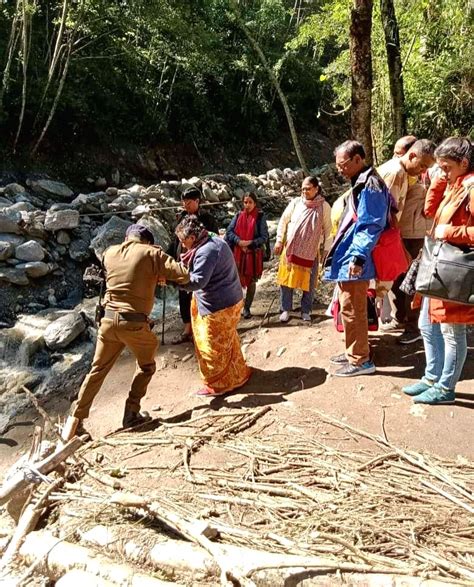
292	374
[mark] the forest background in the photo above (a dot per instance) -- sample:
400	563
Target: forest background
77	73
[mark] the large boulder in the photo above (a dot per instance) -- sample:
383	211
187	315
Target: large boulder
155	226
35	268
60	333
9	221
61	219
209	194
30	251
13	275
110	233
6	250
52	189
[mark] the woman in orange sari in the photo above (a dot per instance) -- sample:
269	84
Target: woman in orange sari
215	308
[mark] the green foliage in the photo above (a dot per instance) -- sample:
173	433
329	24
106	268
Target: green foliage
181	70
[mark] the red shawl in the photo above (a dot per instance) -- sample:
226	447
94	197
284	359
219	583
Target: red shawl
249	262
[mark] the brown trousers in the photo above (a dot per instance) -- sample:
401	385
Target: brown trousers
353	302
112	338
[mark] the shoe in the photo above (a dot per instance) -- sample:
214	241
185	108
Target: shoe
349	370
417	388
132	419
207	391
246	313
409	337
339	359
284	316
391	326
436	395
306	317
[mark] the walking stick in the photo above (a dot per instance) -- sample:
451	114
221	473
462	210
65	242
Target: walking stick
163	315
269	308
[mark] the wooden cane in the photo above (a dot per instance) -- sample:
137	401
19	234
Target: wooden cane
163	314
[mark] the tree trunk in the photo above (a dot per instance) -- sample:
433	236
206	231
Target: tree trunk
361	71
276	84
394	62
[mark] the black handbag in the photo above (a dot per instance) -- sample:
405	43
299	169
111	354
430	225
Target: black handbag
407	286
446	271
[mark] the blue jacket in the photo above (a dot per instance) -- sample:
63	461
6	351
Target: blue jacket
213	276
364	219
259	238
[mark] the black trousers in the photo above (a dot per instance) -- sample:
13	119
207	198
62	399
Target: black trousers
184	298
402	302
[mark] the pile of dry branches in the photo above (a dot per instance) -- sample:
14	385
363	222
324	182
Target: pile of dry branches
365	506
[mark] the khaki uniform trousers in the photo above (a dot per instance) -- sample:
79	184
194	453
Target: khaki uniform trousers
353	302
113	337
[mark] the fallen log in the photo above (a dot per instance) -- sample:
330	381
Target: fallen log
27	522
58	557
18	482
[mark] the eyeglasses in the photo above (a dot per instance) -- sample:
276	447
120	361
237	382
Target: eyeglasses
344	163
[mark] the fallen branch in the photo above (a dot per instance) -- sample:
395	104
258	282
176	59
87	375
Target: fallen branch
18	482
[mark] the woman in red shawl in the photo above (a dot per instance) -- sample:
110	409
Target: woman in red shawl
247	234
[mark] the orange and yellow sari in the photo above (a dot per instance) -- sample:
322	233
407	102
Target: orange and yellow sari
221	363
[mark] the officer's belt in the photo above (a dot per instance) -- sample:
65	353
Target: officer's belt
126	316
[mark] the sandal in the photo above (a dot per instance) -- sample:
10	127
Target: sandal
182	338
207	391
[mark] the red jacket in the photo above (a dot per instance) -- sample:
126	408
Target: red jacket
448	205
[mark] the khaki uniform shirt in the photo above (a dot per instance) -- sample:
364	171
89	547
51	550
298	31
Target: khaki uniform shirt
133	270
396	179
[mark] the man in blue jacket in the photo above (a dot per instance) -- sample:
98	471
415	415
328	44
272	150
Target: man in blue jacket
349	261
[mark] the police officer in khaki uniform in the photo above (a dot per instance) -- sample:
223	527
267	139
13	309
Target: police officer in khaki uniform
133	270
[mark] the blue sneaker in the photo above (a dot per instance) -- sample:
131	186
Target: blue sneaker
418	387
436	395
349	370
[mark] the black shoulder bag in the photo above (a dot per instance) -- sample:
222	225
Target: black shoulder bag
446	271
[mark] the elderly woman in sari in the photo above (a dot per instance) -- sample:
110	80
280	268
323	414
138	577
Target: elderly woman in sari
304	225
215	308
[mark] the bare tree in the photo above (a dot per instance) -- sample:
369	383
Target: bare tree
394	62
275	82
361	72
12	43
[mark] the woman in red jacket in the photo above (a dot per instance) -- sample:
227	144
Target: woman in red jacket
450	200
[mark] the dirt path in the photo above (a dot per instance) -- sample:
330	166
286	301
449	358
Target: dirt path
295	383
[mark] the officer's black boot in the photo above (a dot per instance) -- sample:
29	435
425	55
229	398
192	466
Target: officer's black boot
132	419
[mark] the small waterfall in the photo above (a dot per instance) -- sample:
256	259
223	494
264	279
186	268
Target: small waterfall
20	347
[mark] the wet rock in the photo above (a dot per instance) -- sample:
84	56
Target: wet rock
60	333
160	233
61	219
100	182
4	203
9	221
223	194
14	275
6	250
29	251
52	189
35	268
111	233
123	202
